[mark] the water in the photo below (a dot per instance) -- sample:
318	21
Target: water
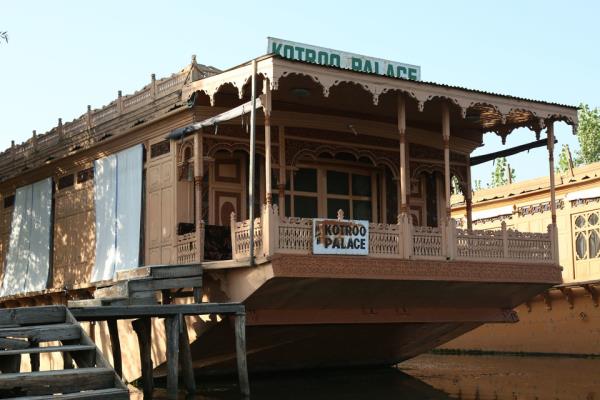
429	377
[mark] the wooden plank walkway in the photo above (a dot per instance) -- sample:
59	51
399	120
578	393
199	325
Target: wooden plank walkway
177	342
134	295
22	330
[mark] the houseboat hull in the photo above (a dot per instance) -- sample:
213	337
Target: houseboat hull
309	312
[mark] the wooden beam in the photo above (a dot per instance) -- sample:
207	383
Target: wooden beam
130	312
508	152
115	344
34	358
143	330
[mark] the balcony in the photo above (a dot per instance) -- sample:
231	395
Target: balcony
288	235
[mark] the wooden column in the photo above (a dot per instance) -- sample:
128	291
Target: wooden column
34	358
115	343
185	356
554	230
198	182
282	171
240	351
469	197
446	137
172	327
403	210
267	112
175	175
143	330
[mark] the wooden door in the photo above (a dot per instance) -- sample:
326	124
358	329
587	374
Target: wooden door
227	188
159	203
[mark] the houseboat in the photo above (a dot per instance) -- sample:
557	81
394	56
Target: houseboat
566	318
314	186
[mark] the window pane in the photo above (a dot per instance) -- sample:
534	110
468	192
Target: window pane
333	205
580	246
593	219
594	244
337	182
275	180
288	206
361	185
362	209
580	222
305	206
305	180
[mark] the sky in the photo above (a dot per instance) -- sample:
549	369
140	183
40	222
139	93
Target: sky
63	55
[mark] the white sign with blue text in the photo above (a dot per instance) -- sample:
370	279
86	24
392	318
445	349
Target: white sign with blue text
334	236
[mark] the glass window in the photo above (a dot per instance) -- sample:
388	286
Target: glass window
337	182
361	209
333	205
305	206
305	180
594	244
580	221
580	245
361	185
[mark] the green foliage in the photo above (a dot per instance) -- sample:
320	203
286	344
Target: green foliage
564	159
477	185
501	173
588	134
455	186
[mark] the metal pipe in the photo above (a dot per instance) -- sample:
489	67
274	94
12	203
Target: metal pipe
251	166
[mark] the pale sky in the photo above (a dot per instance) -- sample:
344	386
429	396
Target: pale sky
63	55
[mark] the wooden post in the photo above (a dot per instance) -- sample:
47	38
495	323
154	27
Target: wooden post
115	343
267	112
282	172
446	138
504	239
143	330
550	145
402	132
67	360
469	197
173	146
198	182
185	353
34	358
240	351
172	327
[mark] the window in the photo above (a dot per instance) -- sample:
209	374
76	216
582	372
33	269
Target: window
349	192
586	235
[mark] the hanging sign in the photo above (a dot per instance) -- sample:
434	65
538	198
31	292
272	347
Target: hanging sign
341	59
334	236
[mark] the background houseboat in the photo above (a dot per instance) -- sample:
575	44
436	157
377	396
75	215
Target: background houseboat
138	182
564	319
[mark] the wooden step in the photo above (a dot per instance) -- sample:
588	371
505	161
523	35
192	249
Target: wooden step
32	316
113	301
161	272
50	382
43	333
49	349
101	394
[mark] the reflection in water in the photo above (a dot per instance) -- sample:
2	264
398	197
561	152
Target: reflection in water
429	377
508	377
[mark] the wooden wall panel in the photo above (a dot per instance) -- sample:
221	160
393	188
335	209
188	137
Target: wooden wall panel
74	235
5	223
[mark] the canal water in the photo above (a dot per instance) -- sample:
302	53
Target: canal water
466	377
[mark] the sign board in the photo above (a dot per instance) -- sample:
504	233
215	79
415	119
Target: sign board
341	59
334	236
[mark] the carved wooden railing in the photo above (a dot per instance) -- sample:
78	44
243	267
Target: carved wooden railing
187	247
274	234
427	242
295	235
240	238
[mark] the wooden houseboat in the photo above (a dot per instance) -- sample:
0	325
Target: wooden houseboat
162	176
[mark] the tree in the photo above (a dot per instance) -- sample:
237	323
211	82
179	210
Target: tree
588	134
477	185
565	161
502	174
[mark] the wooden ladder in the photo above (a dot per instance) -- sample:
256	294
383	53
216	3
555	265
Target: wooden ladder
86	374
